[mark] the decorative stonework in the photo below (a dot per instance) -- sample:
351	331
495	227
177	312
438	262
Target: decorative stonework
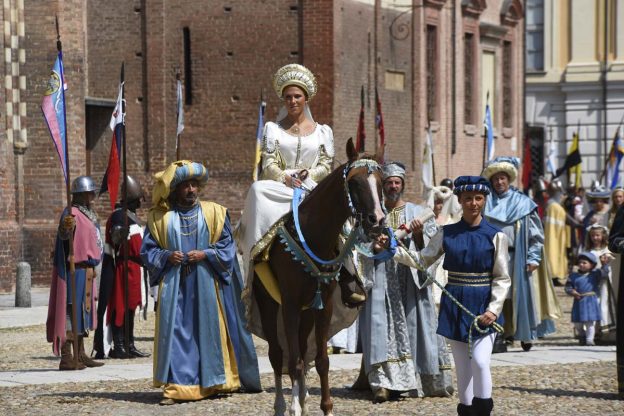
14	83
511	12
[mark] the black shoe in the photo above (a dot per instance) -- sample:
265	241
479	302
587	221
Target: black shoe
557	282
464	410
99	355
118	353
526	346
499	345
136	353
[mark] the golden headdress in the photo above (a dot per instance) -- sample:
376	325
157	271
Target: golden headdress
295	74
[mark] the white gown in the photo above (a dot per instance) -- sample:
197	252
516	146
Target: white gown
268	199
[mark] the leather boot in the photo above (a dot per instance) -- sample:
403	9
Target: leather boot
499	344
67	359
118	351
465	410
132	350
381	395
482	407
349	290
84	358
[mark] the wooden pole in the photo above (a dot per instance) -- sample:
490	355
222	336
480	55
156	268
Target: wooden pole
72	266
124	196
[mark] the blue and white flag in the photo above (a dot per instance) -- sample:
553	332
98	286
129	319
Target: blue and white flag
615	157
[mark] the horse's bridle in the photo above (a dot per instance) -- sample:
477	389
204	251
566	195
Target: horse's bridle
371	167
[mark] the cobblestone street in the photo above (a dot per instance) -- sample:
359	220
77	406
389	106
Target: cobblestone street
587	388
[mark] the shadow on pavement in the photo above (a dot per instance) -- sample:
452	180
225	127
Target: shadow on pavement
559	393
127	396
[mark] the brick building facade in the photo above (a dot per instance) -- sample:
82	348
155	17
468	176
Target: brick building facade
412	51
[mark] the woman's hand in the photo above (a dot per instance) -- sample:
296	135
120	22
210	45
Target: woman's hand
292	181
487	318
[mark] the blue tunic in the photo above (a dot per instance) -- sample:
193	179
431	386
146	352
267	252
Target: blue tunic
469	259
587	308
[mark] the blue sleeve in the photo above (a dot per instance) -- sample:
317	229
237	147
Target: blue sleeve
536	238
222	255
569	286
154	258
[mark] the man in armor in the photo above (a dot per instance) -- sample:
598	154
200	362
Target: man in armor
112	287
81	224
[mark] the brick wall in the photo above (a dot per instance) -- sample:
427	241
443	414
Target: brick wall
236	46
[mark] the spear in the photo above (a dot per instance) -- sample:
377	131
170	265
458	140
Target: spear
72	266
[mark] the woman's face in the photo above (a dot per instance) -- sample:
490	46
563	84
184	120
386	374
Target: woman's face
294	100
618	198
472	203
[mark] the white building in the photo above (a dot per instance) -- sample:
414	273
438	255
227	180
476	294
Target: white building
574	77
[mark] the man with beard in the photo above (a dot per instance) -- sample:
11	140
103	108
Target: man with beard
201	346
532	305
112	283
401	351
81	224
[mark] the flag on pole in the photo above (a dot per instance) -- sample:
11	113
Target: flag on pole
361	134
427	163
572	162
259	129
110	182
379	120
527	165
615	157
489	131
53	108
551	162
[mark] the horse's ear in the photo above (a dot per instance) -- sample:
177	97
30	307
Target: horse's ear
352	154
379	154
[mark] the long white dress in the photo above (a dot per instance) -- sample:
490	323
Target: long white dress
269	198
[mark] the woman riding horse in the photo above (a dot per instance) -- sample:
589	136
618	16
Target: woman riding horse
296	152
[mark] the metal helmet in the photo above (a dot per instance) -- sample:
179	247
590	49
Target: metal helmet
134	190
83	184
541	185
555	185
447	182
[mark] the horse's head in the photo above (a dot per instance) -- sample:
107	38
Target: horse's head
363	184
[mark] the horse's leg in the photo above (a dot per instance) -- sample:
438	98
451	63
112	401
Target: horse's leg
321	329
268	317
292	317
305	327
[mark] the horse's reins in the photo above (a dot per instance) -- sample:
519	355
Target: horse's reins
304	254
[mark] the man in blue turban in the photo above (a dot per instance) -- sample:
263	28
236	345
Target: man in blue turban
201	346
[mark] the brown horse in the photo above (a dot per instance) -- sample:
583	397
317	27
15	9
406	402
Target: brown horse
322	215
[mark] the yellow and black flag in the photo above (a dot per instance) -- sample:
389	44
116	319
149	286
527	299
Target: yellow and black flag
572	162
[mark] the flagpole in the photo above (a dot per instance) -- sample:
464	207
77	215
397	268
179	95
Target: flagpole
178	135
72	266
487	100
432	153
124	196
604	171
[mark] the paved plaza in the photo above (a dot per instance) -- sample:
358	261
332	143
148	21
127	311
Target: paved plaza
557	377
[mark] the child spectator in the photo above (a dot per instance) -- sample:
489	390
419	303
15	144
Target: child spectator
584	286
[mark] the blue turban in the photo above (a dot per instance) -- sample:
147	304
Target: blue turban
471	183
193	170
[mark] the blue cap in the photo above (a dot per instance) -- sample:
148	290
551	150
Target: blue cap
588	256
471	183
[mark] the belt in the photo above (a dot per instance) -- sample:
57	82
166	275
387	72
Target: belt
588	294
469	279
